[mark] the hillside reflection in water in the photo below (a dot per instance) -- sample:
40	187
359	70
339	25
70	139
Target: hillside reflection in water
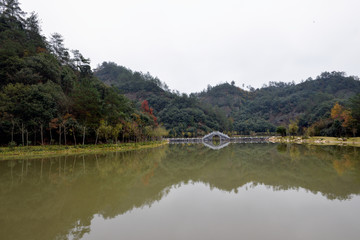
255	191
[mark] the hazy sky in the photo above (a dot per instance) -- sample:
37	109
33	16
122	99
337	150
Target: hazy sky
192	43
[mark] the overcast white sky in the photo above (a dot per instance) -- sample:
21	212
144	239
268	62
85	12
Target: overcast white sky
192	43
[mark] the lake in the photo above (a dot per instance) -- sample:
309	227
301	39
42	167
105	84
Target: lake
185	191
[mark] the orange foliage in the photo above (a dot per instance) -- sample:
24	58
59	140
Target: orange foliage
337	111
54	123
348	119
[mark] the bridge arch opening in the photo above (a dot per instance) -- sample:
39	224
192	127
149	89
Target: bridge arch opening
216	140
209	137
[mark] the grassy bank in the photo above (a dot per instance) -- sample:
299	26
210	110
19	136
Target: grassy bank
318	140
7	153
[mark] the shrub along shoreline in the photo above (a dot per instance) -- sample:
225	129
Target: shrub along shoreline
30	152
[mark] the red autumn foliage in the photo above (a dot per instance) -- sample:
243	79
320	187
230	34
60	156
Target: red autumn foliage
145	107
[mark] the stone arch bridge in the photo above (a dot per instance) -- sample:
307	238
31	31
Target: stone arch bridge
225	140
222	136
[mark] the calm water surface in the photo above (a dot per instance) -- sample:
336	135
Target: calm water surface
243	191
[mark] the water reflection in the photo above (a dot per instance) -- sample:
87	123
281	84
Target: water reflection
65	193
216	145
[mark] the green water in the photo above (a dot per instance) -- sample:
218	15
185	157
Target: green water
243	191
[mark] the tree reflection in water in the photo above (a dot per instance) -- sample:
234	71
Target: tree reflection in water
57	197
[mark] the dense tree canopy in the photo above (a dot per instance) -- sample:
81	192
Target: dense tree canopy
182	115
48	94
228	108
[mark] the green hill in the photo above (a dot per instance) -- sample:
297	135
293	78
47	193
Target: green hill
228	97
49	94
226	107
279	103
181	114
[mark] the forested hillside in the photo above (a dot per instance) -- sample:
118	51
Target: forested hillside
49	94
306	106
182	115
279	104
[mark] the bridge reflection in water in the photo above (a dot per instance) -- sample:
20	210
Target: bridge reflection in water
223	140
216	146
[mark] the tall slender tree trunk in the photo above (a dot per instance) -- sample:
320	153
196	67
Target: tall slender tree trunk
27	138
50	134
83	142
12	130
42	134
64	135
97	136
59	134
22	134
34	136
74	136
